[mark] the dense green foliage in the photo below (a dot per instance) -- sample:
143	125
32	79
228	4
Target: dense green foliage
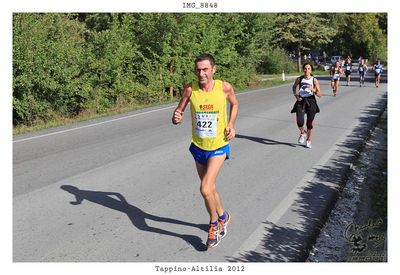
301	31
359	34
65	64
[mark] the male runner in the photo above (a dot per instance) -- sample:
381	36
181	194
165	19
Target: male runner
362	69
348	66
211	132
335	73
341	63
378	71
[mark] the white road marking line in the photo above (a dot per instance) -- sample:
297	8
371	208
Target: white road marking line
112	120
91	125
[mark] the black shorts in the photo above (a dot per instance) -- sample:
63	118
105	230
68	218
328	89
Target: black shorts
348	73
307	106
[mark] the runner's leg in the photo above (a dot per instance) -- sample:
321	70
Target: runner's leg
208	190
311	112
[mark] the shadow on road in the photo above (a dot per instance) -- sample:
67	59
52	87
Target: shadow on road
267	141
137	216
284	242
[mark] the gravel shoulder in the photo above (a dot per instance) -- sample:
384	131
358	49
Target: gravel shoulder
356	230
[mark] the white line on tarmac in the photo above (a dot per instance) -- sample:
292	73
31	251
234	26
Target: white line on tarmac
94	124
121	118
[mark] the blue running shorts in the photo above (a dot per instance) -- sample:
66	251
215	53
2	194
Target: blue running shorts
201	156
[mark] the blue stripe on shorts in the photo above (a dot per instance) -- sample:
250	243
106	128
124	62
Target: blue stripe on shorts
201	156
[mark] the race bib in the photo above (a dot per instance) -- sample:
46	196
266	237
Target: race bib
348	68
205	125
378	70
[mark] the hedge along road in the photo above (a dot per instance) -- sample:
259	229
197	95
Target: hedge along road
125	188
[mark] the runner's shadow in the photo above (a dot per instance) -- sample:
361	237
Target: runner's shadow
267	141
137	216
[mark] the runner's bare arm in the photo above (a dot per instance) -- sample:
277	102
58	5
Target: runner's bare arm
230	96
317	87
296	83
178	113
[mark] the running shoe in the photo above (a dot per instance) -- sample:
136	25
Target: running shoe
224	224
302	138
308	144
214	236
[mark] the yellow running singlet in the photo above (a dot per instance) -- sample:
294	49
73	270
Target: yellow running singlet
209	117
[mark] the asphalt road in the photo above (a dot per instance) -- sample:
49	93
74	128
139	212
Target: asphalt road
125	188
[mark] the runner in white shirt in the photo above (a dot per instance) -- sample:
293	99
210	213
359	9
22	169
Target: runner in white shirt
306	103
348	66
335	73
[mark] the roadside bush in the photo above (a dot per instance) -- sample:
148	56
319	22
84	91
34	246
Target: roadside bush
275	61
48	58
28	109
66	64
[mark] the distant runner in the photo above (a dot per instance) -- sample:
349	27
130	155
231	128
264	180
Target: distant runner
362	70
341	63
306	103
211	133
378	71
348	67
335	73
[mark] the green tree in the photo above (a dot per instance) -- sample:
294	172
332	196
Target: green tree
369	40
67	63
301	31
340	43
358	34
48	58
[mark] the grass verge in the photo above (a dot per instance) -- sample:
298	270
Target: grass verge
58	120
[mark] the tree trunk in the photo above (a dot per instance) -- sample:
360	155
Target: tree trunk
160	98
299	58
171	89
